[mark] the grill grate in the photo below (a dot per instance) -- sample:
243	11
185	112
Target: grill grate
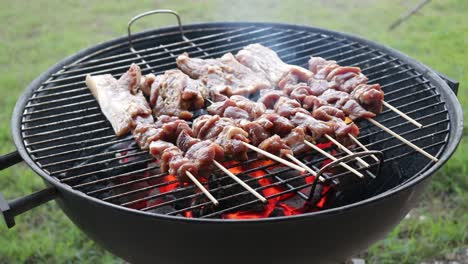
66	134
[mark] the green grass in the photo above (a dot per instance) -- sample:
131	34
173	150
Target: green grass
36	34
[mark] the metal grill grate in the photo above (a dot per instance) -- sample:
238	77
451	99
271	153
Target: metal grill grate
68	137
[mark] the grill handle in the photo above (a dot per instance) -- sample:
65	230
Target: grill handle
157	11
10	159
453	84
15	207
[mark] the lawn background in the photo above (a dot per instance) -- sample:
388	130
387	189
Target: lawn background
36	34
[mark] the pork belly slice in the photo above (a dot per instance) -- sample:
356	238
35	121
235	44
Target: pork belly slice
266	62
120	100
175	93
223	75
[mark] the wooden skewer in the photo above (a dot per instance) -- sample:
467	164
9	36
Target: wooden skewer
394	109
276	158
307	168
418	149
362	146
202	188
347	150
326	154
234	177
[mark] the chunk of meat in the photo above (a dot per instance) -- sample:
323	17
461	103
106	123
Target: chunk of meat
218	108
355	111
266	62
224	75
119	100
146	82
282	105
317	63
203	153
230	139
270	97
185	141
235	112
312	102
346	103
370	96
276	146
327	113
255	109
318	87
257	132
145	131
295	140
313	127
174	93
172	160
287	107
340	71
294	77
275	124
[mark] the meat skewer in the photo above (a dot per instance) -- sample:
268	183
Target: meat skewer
302	118
343	77
175	93
362	146
222	107
209	127
319	66
127	109
318	102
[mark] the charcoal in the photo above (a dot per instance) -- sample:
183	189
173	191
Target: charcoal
165	209
278	211
238	199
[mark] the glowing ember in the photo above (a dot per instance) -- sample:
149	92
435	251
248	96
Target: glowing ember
281	202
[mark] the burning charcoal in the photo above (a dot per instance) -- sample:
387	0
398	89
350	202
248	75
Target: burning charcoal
237	198
316	195
164	207
295	202
278	211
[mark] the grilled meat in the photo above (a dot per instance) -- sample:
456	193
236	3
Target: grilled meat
266	62
315	128
349	80
276	146
347	103
120	100
174	93
224	75
224	132
295	140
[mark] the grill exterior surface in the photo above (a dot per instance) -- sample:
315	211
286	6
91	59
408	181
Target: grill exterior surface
60	131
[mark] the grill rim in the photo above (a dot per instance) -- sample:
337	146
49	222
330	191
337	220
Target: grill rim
447	96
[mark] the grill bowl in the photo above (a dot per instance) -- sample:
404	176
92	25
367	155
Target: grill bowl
326	236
